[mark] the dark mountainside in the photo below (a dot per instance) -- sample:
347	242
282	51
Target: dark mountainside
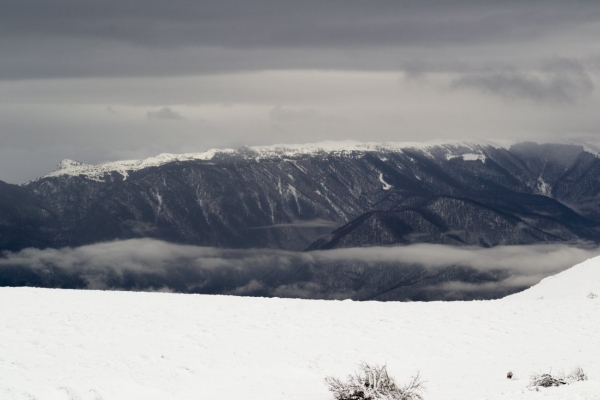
529	194
489	221
454	194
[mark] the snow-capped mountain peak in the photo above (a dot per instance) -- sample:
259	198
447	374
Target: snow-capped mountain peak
97	172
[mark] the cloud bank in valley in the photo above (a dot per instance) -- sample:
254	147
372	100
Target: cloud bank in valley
418	272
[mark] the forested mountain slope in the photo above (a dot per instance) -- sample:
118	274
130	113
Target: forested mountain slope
289	197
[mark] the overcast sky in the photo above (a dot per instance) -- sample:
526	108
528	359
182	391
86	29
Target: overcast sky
122	79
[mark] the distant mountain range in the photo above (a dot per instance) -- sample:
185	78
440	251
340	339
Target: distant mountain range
321	196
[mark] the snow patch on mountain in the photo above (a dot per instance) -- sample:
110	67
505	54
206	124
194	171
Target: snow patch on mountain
386	186
544	187
473	157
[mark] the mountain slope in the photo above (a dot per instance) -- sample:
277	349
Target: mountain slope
23	219
287	197
489	221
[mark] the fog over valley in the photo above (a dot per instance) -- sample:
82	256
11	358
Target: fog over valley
418	272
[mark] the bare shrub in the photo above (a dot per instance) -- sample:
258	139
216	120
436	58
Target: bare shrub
550	380
577	375
373	382
547	380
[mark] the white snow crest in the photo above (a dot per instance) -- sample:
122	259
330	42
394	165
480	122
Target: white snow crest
348	147
98	172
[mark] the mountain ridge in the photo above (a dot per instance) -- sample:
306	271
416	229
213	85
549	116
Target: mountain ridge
268	198
283	151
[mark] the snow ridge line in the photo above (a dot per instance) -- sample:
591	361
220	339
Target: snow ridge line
283	151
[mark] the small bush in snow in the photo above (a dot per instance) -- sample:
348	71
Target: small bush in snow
550	380
578	374
547	380
373	382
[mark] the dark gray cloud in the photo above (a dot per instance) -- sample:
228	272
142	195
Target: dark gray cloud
165	113
72	38
279	23
340	69
389	273
561	81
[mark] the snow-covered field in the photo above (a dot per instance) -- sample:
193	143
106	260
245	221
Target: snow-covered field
64	344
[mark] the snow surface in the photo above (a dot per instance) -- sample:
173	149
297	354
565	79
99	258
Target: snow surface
576	283
87	345
98	172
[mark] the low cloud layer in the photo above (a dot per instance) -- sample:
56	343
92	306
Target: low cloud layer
562	81
418	272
